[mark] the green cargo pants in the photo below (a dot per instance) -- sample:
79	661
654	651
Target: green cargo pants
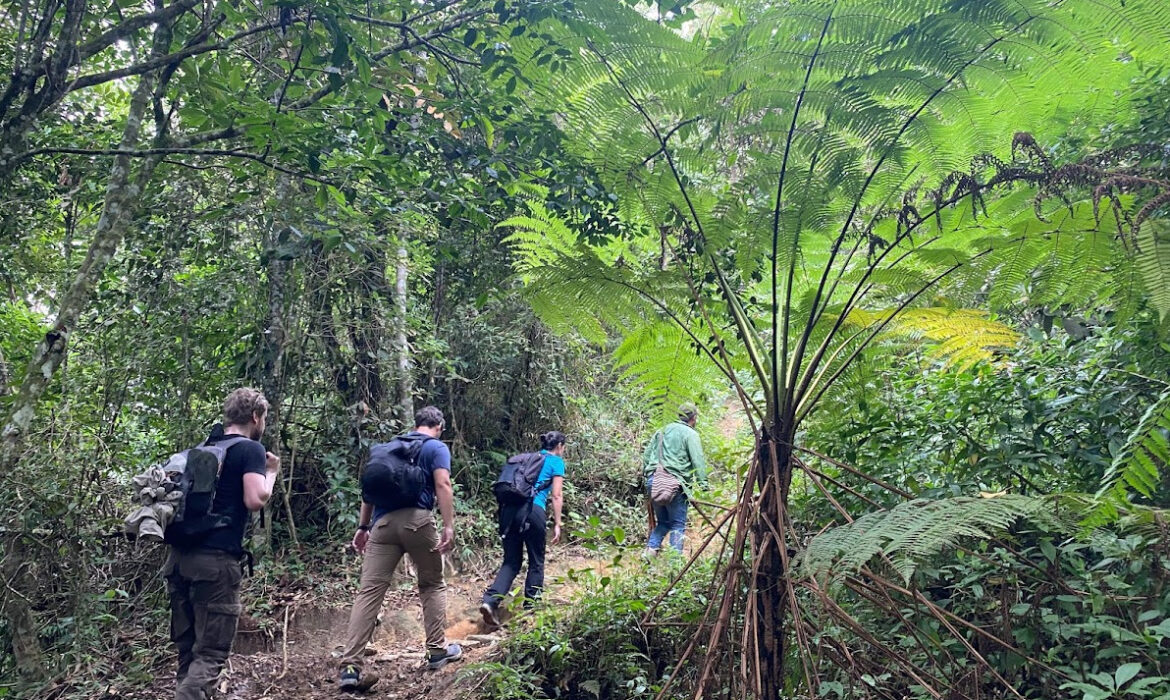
204	586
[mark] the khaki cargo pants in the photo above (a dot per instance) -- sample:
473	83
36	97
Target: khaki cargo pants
407	531
204	586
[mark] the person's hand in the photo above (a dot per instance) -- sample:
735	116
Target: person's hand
360	539
271	463
446	540
556	534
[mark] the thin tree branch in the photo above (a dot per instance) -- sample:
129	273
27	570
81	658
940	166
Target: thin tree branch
198	152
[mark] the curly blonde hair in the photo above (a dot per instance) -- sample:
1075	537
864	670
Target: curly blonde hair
242	404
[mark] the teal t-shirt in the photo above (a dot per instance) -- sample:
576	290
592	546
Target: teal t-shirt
553	466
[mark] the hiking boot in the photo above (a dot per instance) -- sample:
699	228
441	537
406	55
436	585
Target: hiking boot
352	680
491	618
435	661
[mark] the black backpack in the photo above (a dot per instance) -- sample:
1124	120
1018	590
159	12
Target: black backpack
517	482
392	479
196	471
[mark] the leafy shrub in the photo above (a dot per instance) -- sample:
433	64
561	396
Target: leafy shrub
1052	416
1073	617
599	647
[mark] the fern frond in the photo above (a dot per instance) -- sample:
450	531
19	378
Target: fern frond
915	531
961	337
1137	468
1153	264
666	365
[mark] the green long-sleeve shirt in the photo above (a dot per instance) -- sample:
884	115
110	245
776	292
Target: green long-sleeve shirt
682	455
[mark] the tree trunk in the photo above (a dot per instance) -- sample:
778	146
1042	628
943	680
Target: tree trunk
273	344
770	582
3	374
121	199
26	646
365	335
405	402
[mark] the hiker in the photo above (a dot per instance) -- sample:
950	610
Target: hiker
673	458
531	480
205	566
401	483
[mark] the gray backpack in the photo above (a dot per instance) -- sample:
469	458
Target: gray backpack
195	474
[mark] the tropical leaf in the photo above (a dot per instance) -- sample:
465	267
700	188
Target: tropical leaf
1153	264
1137	468
917	530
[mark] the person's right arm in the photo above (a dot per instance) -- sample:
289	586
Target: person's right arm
649	454
362	536
257	486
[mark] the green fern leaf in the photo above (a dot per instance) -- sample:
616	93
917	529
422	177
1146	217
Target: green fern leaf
915	531
1137	468
1153	263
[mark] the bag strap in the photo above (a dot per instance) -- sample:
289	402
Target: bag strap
538	486
414	444
661	443
225	445
230	442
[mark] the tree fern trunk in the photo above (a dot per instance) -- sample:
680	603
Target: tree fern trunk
770	580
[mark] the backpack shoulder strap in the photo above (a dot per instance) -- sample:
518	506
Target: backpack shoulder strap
230	442
414	445
541	485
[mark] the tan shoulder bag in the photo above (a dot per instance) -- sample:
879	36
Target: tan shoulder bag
665	486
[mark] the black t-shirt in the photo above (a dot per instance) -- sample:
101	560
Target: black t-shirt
247	456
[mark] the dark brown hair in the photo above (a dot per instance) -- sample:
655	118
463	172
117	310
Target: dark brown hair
242	405
428	417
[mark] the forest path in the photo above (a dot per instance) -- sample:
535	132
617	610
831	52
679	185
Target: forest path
303	665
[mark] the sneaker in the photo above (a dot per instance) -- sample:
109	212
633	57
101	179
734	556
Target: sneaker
490	617
436	661
351	679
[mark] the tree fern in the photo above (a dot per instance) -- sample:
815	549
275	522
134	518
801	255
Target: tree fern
799	180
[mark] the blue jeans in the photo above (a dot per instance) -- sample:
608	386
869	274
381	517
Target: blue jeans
672	520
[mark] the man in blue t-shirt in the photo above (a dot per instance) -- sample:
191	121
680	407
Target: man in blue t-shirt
525	527
383	536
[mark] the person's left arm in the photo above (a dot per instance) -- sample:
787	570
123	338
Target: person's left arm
698	462
259	476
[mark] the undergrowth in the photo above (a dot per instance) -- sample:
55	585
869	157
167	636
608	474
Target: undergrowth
601	645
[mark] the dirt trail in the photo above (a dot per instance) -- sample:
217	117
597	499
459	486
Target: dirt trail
304	665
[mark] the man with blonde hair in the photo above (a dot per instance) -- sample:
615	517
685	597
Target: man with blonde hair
205	566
